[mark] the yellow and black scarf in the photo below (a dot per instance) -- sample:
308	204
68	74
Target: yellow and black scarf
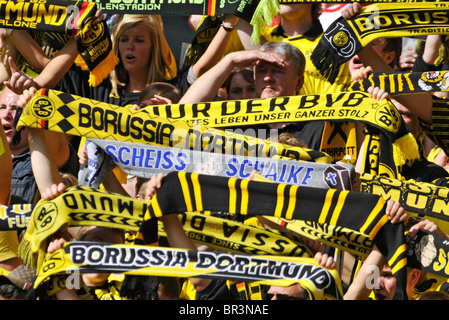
83	206
427	251
417	198
15	217
199	126
88	257
397	83
353	210
73	18
345	38
223	233
61	112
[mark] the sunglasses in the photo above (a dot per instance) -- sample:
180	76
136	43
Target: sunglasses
279	296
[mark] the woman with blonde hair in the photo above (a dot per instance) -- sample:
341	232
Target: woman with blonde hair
144	57
128	37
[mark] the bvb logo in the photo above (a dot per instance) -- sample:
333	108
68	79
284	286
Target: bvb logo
340	39
43	108
91	33
44	217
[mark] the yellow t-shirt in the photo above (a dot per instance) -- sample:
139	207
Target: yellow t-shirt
9	243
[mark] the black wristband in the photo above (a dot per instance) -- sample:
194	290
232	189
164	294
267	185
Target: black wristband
421	66
227	29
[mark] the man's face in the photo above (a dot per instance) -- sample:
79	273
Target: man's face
8	108
275	81
387	285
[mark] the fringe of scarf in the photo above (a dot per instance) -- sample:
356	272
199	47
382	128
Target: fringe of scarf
259	13
94	44
345	38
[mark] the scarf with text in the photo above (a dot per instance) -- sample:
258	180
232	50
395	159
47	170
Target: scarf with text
88	257
417	198
345	38
15	216
258	13
404	83
353	210
229	235
73	18
61	112
388	141
349	240
427	251
146	160
84	206
199	126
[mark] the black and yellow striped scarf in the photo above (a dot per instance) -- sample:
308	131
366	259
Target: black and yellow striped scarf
417	198
353	210
345	38
397	83
437	131
73	18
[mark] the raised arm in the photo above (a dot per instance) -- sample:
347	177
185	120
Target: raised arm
46	157
49	152
55	69
216	48
419	104
206	86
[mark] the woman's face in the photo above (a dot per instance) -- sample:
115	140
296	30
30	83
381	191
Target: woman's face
135	48
240	88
